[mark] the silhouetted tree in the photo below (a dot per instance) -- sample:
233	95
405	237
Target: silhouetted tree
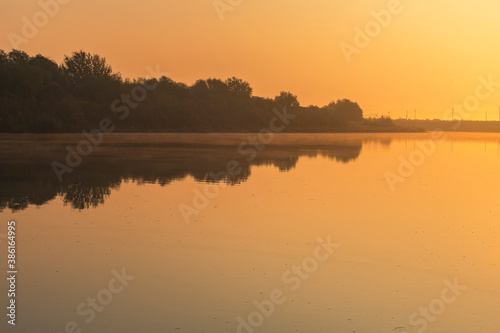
287	99
200	90
82	65
346	111
239	87
3	57
92	78
217	86
18	57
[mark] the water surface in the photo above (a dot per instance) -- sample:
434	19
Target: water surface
125	207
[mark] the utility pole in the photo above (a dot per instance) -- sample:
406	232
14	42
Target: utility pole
407	113
415	114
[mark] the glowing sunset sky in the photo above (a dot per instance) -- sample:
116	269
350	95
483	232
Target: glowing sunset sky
428	58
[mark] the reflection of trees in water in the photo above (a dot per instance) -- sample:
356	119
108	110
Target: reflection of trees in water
284	164
22	184
86	194
27	177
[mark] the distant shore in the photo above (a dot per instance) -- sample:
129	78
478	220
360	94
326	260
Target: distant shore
451	125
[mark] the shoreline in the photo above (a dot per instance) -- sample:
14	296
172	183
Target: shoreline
361	131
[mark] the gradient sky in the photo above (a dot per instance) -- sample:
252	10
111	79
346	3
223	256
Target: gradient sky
428	58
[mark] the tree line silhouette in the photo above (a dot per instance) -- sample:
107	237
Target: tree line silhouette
39	96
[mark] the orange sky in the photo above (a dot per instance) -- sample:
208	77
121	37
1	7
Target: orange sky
428	57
